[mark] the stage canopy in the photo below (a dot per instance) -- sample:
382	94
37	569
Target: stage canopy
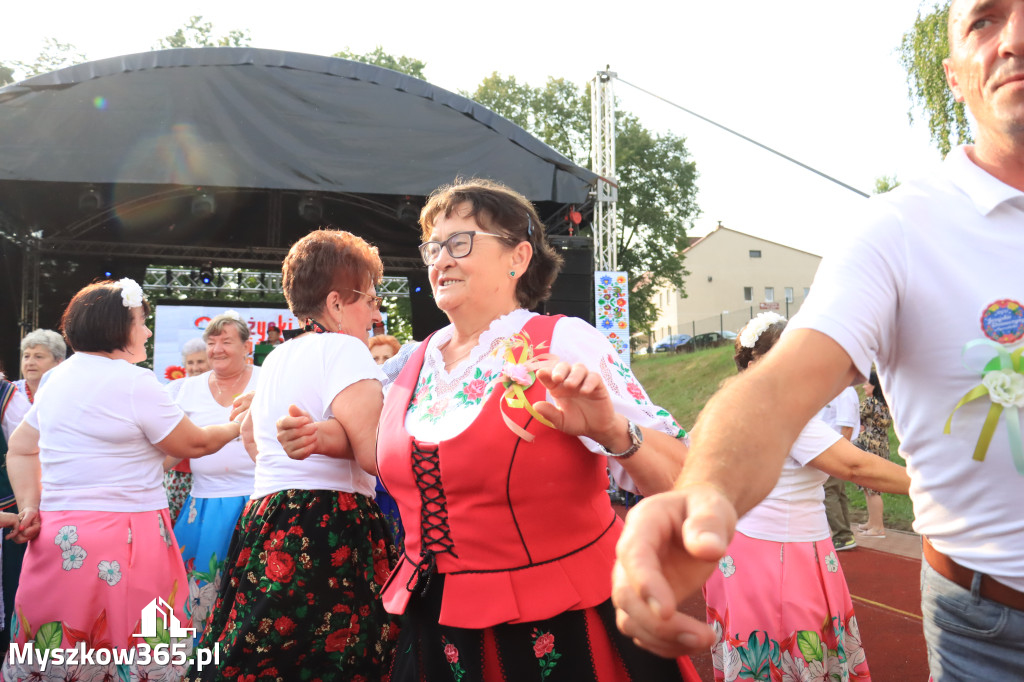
227	155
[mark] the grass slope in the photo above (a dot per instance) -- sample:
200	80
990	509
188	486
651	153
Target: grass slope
683	383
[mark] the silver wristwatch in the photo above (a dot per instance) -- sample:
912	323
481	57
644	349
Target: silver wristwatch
636	438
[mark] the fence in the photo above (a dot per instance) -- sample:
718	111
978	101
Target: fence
726	321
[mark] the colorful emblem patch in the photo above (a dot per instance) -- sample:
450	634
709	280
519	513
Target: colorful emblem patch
1003	321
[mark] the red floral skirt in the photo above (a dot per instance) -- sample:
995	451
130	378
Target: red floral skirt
574	646
300	597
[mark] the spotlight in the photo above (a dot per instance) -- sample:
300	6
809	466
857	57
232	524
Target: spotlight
206	275
203	205
311	208
90	200
406	211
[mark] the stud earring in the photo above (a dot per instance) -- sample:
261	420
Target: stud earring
511	273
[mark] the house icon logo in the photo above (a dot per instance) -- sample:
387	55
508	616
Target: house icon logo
158	611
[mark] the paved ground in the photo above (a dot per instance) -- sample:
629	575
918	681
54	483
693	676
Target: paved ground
883	575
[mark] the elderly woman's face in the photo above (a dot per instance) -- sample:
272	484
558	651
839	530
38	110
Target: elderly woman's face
226	351
481	275
382	353
196	363
36	361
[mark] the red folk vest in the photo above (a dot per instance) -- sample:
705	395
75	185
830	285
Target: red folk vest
522	531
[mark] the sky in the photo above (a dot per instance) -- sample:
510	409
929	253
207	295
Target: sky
817	80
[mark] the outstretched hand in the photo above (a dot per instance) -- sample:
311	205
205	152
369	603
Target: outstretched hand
669	546
240	405
297	433
582	407
25	524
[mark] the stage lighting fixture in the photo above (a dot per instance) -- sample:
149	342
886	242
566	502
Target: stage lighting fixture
406	211
311	208
90	200
203	205
206	275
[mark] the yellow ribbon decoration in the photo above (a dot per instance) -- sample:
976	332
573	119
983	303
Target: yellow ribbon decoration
1003	362
515	395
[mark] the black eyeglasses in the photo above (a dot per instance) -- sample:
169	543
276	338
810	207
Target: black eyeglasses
375	301
459	245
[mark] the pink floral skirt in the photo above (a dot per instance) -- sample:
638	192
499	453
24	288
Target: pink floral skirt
783	611
88	578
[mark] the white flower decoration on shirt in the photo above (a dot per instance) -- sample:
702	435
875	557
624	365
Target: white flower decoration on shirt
131	293
756	327
110	571
1005	387
66	537
726	565
73	558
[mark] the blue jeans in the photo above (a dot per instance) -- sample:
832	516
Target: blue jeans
969	638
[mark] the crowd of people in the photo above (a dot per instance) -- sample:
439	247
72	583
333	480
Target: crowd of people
359	509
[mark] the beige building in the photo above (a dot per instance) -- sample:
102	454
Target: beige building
733	276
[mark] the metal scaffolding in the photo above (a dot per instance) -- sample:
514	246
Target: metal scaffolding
189	282
602	145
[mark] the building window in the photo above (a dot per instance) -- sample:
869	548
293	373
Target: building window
807	290
755	253
789	294
748	294
769	294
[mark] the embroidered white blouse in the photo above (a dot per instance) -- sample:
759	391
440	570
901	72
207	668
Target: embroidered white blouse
445	403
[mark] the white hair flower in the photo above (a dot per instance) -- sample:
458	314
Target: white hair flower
756	327
131	293
233	314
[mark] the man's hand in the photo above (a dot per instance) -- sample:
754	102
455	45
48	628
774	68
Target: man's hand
671	543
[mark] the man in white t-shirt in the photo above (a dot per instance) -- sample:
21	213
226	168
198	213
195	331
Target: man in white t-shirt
842	414
931	286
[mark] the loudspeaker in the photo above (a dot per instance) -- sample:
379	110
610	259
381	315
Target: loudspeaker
426	318
573	291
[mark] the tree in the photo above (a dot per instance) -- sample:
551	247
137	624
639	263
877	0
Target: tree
378	57
198	34
886	183
54	55
921	53
657	179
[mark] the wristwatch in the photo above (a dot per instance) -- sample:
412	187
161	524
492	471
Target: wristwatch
636	438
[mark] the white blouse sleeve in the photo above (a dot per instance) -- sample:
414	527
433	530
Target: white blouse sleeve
17	408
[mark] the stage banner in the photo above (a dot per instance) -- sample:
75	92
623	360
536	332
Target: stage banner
611	300
175	324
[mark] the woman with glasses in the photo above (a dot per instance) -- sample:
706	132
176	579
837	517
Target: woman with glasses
300	596
510	535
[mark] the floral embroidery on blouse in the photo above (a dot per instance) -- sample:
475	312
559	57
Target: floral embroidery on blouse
474	391
544	651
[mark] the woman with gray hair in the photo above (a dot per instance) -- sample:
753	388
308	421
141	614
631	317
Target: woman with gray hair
41	351
222	482
178	481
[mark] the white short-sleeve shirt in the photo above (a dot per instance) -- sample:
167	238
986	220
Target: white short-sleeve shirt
17	408
930	285
98	420
843	411
794	511
309	371
230	471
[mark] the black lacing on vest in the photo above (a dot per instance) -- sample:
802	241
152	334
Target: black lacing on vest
435	534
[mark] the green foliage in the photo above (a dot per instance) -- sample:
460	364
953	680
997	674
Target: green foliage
54	55
196	33
378	57
921	53
886	183
657	179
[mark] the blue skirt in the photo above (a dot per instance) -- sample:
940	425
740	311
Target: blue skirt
204	531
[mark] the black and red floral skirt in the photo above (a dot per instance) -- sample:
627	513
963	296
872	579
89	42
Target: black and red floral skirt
574	646
300	599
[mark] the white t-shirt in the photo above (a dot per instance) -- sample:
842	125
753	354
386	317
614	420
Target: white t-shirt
309	372
228	472
97	420
17	408
935	267
794	511
459	395
843	411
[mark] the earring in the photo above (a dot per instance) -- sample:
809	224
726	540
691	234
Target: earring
511	273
